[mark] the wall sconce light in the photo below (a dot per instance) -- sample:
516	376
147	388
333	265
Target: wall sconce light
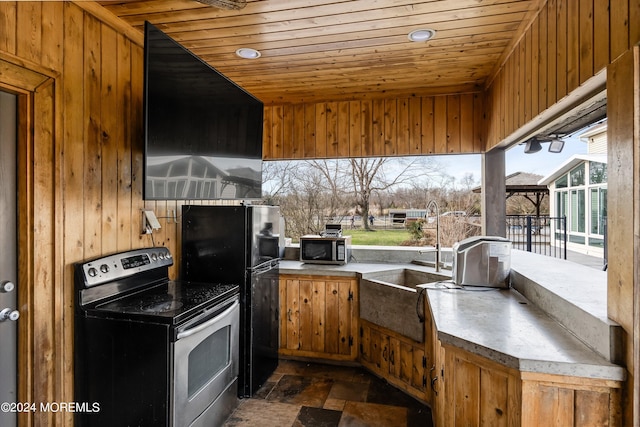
556	145
532	146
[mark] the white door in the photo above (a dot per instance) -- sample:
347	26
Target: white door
8	261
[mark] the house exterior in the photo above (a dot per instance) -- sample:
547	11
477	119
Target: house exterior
578	191
200	177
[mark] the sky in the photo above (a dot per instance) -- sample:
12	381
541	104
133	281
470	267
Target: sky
541	163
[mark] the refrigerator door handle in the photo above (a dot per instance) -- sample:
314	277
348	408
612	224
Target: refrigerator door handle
263	268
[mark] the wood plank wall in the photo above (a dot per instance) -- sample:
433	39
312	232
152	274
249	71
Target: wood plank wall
80	168
623	278
569	42
381	127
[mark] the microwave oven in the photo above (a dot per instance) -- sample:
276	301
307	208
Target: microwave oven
325	250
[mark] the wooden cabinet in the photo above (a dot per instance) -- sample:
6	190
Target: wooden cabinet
319	317
464	389
396	358
476	391
561	400
432	349
436	391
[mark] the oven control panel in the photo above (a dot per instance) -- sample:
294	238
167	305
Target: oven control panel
124	264
135	261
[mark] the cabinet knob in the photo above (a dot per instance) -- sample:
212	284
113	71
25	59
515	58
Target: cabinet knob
7	286
8	314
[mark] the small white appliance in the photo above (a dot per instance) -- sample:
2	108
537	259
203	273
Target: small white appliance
482	261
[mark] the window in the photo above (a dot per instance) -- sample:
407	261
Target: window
595	211
596	242
562	182
598	210
562	198
581	196
573	238
577	216
561	206
577	176
597	173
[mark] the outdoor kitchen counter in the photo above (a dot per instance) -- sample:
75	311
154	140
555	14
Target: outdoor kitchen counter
506	327
352	269
503	326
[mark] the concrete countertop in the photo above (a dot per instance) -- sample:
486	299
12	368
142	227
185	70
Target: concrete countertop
352	269
503	325
573	294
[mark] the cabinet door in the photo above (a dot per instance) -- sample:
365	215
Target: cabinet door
435	374
339	297
478	392
418	373
407	364
290	318
438	386
431	357
394	357
318	318
558	400
379	348
365	344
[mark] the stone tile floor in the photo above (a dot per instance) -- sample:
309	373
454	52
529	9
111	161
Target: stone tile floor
302	394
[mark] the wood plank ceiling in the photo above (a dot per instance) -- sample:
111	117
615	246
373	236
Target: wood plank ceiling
321	50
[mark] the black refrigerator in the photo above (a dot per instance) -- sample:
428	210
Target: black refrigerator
240	244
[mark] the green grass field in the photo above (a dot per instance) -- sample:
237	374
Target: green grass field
377	237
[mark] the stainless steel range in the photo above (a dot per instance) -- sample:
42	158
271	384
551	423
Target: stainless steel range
150	351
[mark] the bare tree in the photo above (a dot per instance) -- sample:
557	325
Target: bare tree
369	175
305	200
309	192
278	177
334	181
458	199
526	204
463	198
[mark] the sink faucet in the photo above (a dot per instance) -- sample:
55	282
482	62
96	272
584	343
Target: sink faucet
437	209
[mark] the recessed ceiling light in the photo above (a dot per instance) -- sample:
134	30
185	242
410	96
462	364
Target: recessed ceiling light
421	35
248	53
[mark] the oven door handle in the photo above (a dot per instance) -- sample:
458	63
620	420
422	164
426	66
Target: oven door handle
208	323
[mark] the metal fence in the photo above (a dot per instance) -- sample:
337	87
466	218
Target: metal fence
542	235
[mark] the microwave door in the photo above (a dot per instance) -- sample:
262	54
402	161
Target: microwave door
317	251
